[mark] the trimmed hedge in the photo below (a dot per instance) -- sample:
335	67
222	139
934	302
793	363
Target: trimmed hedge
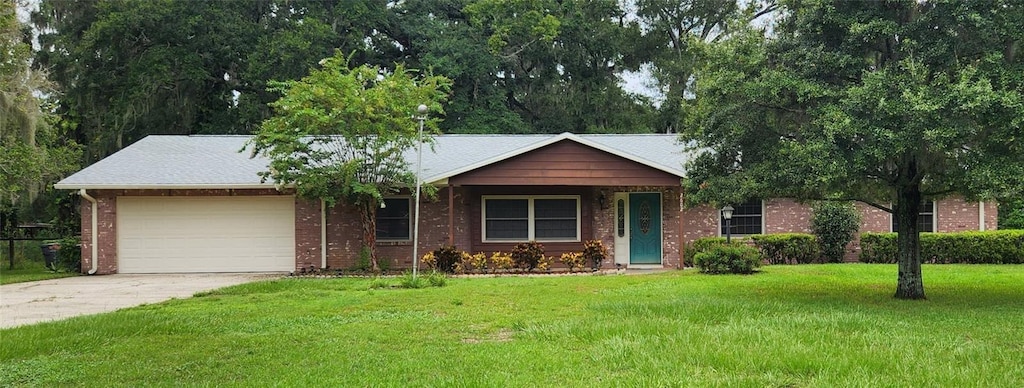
720	259
704	244
989	247
788	248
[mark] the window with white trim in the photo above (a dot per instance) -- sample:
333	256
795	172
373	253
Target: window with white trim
531	218
925	217
393	220
747	219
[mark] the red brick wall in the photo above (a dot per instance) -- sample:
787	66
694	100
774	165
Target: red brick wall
783	215
106	244
700	221
955	214
307	234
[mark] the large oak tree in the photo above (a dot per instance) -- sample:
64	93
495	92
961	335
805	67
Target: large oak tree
886	102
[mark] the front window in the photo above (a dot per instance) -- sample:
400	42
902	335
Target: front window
540	218
925	218
746	219
393	220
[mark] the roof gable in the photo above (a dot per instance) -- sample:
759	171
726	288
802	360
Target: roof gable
567	163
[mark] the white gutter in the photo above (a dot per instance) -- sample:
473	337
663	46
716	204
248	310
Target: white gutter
237	186
95	233
323	234
981	215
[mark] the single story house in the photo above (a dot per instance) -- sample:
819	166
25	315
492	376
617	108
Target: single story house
196	204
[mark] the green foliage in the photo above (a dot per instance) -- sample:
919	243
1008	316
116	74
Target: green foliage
340	135
527	255
723	259
988	247
36	151
704	244
69	256
424	280
834	224
788	248
1011	214
363	261
872	101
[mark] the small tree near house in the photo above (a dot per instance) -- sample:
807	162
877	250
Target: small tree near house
339	134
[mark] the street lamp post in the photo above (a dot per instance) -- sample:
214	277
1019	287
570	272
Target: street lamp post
422	110
727	215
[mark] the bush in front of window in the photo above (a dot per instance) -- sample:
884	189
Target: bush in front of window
788	248
725	259
594	253
527	255
545	263
988	247
574	260
835	224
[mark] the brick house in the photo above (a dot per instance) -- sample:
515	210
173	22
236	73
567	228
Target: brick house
196	204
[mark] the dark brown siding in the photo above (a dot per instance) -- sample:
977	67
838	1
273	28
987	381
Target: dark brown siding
567	163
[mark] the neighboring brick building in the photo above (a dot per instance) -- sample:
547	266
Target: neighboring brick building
195	204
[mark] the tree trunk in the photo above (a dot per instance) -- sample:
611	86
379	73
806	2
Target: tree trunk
908	203
368	213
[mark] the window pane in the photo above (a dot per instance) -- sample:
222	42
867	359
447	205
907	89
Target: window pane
507	230
507	219
555	229
554	208
507	208
746	218
554	219
393	219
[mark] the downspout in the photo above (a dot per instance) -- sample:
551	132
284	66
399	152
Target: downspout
323	234
94	233
981	215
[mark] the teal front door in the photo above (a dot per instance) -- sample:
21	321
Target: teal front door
645	228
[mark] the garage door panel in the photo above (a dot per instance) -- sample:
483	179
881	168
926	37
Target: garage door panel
205	234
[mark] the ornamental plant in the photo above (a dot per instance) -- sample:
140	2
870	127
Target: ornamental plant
545	263
835	224
447	257
573	260
527	255
500	261
478	262
594	253
429	260
721	259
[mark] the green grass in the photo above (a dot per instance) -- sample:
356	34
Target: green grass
812	325
28	265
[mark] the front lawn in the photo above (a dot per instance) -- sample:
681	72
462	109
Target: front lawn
810	325
29	271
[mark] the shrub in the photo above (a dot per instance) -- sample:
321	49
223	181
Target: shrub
436	279
478	262
69	256
594	253
721	259
573	260
527	255
429	260
988	247
446	258
499	260
787	248
835	224
545	263
704	244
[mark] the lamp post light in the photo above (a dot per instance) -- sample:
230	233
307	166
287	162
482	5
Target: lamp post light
727	215
422	110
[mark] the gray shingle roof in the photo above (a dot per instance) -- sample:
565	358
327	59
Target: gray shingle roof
167	162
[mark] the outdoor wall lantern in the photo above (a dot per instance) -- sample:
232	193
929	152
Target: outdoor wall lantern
727	215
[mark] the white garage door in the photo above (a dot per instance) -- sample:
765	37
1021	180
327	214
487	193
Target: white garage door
205	234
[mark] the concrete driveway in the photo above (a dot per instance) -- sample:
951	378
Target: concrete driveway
47	300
